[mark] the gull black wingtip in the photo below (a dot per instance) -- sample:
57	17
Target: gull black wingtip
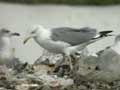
106	33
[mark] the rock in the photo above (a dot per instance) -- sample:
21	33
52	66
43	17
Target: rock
45	87
66	82
48	58
27	86
44	69
14	63
21	67
82	87
22	87
53	80
2	88
104	67
110	60
42	81
62	70
4	72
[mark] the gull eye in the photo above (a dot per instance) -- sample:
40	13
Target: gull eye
33	32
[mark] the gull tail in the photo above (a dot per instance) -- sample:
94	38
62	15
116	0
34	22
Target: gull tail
103	34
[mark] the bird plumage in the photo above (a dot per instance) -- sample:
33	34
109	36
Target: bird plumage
73	36
64	40
6	48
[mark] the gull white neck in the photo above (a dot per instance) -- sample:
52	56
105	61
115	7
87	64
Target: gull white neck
44	34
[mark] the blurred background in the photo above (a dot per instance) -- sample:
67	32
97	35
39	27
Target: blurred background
20	15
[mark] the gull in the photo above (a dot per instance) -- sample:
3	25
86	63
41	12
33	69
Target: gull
6	49
65	40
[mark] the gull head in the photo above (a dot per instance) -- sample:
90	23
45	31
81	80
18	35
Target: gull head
34	32
7	33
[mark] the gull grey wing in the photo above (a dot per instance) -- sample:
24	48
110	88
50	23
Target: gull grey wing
73	36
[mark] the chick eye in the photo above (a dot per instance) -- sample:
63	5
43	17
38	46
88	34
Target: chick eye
5	30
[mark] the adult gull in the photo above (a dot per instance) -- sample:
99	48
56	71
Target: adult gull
65	40
6	49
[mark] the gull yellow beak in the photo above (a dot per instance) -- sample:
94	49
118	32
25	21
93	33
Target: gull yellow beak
26	39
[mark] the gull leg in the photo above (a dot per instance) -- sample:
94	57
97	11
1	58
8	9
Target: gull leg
70	62
66	59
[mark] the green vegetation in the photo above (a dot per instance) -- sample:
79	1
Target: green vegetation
69	2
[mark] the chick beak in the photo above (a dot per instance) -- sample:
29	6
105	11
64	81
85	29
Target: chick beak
15	34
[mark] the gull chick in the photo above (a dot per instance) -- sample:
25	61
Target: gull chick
65	40
6	49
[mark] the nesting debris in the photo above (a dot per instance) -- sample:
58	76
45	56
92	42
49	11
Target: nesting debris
62	70
44	81
89	73
48	58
